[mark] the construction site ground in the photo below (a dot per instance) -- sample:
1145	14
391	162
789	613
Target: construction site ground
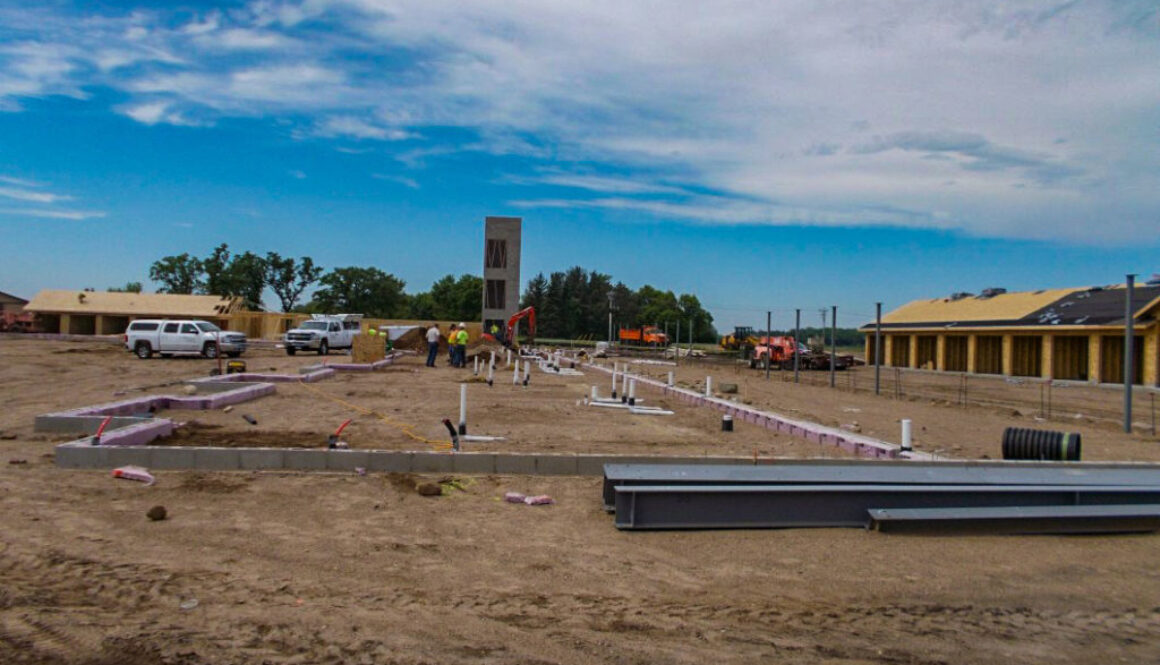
342	568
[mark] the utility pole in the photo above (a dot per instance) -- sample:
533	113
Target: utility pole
878	348
833	347
1129	361
610	318
797	344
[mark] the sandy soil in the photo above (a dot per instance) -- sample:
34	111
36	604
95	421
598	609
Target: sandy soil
337	568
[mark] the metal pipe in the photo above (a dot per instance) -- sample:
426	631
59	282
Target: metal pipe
690	338
797	343
768	346
833	345
708	386
527	371
632	393
1129	361
516	372
462	408
615	368
878	349
491	369
906	435
624	386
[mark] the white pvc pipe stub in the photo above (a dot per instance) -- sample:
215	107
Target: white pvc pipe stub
462	409
906	434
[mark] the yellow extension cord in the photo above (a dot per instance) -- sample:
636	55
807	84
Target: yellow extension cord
409	430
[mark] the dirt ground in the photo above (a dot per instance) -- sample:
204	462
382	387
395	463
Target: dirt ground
338	568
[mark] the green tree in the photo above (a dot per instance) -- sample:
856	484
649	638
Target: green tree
247	279
241	276
182	274
367	291
289	279
457	299
421	306
130	287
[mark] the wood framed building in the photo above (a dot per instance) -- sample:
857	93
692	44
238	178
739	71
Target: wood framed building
1067	334
109	312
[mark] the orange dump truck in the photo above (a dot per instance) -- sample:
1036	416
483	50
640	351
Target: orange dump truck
643	335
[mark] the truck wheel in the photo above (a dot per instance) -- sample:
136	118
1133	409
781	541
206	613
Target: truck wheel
209	350
143	350
291	350
323	348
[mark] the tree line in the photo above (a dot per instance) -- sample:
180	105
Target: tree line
368	291
569	304
577	303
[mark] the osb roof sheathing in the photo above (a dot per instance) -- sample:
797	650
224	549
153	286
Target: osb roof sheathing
1003	307
132	304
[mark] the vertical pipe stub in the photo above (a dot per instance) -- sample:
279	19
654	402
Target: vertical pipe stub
670	379
462	409
632	393
615	367
906	435
726	423
708	386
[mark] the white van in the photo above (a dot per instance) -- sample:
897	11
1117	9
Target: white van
166	337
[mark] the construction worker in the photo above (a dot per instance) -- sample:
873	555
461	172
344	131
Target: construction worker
461	344
433	336
451	344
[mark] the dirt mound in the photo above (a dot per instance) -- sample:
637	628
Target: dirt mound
416	340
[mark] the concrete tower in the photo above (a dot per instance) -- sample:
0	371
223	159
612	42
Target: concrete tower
501	269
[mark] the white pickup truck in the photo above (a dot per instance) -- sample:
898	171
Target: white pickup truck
145	337
322	333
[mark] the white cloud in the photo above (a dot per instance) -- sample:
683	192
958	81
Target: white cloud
1042	115
152	113
33	196
357	128
410	183
19	182
297	175
53	214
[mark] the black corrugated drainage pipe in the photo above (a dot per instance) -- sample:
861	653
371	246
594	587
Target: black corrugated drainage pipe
1033	444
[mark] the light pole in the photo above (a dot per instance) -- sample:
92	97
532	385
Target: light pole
610	318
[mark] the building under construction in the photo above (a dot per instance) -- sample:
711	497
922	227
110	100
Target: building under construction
1074	334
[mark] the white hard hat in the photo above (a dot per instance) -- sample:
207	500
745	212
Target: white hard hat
462	325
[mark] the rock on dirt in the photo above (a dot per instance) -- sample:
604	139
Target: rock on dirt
157	513
429	489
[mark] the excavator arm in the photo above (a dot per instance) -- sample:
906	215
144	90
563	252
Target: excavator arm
528	313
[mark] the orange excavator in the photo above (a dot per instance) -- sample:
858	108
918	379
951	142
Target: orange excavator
509	332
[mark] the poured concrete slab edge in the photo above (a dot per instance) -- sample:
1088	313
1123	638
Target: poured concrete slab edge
81	455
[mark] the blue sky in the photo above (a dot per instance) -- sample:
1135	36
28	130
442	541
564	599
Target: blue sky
761	155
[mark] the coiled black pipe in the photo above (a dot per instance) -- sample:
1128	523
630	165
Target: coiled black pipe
1032	444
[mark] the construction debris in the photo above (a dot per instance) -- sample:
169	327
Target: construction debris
137	473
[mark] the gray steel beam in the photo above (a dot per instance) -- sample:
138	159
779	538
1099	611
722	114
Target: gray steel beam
876	473
778	506
1019	519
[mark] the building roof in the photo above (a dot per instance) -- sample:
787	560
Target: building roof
132	304
1086	306
9	298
